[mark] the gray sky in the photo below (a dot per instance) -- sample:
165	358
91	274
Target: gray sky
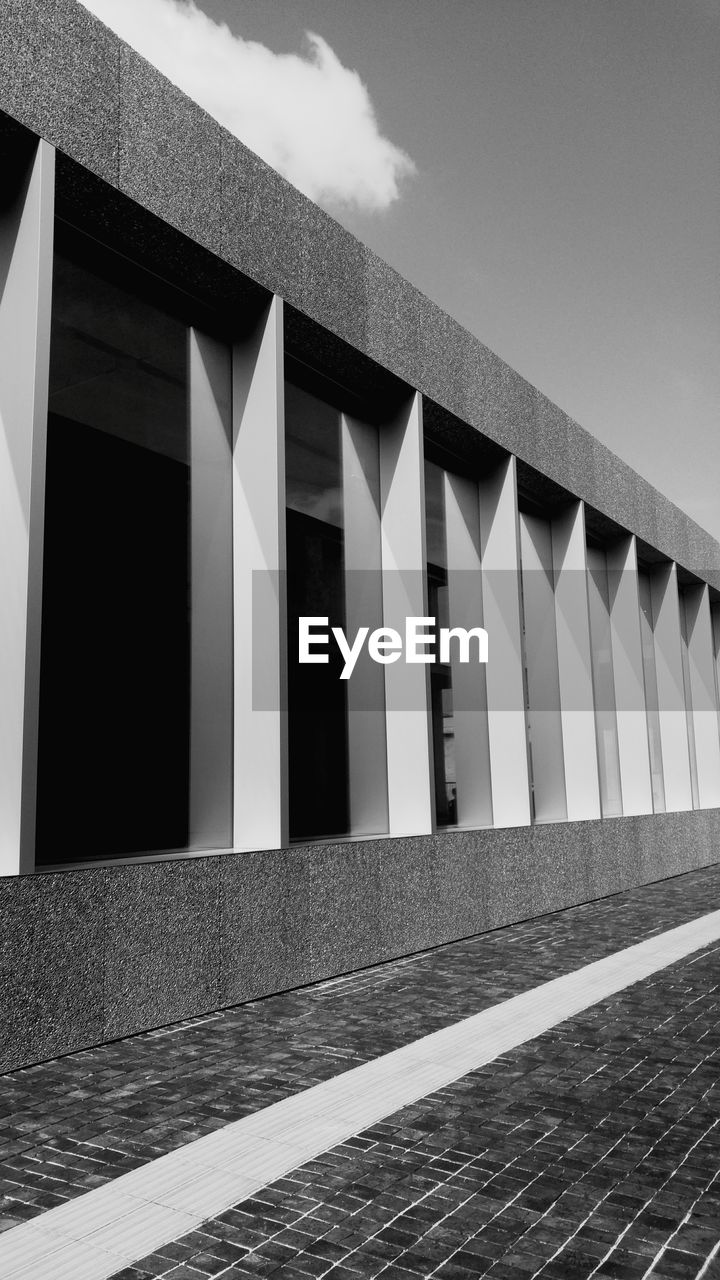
566	200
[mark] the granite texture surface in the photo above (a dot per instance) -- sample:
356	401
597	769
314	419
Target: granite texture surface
261	898
395	319
162	947
333	276
52	945
445	360
89	955
189	279
174	171
60	79
262	220
70	80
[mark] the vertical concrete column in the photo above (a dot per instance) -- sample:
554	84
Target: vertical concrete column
260	791
703	708
633	748
507	724
367	751
469	687
26	241
569	552
211	624
545	738
672	713
407	693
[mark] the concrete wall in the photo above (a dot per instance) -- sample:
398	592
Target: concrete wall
90	955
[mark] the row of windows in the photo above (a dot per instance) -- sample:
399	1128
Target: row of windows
136	683
589	599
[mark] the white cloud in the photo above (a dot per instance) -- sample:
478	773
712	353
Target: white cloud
307	115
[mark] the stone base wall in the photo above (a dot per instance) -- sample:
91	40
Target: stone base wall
90	955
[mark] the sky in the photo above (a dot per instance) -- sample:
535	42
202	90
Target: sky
548	171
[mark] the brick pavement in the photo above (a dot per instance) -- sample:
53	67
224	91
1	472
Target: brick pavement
593	1150
73	1124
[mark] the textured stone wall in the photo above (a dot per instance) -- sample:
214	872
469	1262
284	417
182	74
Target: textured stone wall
90	955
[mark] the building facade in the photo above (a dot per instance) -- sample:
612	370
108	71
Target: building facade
220	414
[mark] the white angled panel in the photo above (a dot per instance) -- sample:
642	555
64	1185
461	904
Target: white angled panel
469	692
701	669
632	728
211	629
26	236
260	730
672	713
507	726
582	786
410	805
367	755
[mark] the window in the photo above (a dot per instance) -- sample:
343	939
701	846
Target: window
441	689
336	728
546	760
603	683
647	631
458	687
118	656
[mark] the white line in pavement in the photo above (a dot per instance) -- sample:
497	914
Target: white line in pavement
99	1233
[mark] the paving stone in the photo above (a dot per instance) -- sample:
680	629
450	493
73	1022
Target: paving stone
586	1148
406	1188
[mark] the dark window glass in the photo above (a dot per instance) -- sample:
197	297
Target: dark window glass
441	692
317	703
114	686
